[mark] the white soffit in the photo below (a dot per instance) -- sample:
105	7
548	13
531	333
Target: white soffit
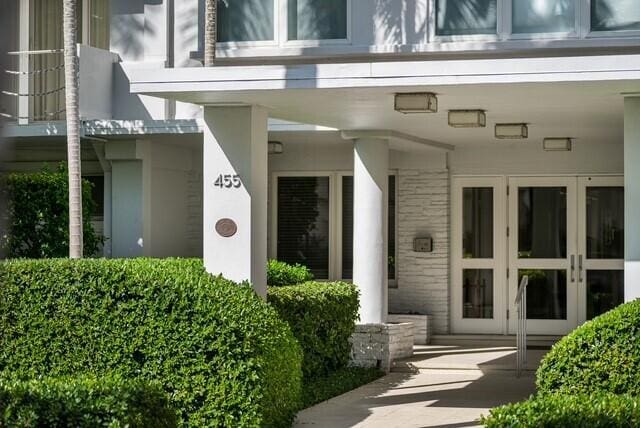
396	136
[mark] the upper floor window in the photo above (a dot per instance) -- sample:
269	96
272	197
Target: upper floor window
466	17
543	16
317	19
245	20
615	15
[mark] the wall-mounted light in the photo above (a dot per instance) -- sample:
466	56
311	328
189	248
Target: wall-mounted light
467	119
416	102
557	144
275	148
511	131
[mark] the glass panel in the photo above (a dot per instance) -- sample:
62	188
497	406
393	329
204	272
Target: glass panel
466	17
303	223
347	227
99	25
605	223
615	15
477	223
546	294
542	222
543	16
317	19
245	20
477	293
605	291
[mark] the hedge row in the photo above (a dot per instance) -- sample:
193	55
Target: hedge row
280	274
558	410
322	317
221	353
84	402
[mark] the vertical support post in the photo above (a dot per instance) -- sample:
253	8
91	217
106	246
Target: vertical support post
370	202
23	65
235	194
631	198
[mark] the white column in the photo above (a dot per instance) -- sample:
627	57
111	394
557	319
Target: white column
631	198
235	194
370	202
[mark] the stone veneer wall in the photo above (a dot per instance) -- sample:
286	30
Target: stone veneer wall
423	278
379	345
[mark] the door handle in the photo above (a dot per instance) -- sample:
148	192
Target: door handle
573	268
580	268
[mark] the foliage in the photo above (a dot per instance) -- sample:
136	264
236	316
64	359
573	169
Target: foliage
603	354
322	317
598	410
38	212
322	388
84	402
281	274
219	351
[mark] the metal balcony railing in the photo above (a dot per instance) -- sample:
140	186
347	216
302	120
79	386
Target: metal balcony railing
521	330
37	86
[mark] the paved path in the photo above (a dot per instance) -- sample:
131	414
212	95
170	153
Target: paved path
446	387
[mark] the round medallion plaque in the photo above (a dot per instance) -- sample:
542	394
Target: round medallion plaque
226	227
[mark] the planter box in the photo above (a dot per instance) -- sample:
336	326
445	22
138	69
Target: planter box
379	345
422	326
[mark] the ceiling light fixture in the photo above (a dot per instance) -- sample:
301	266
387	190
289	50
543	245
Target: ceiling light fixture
275	148
467	118
511	131
416	102
557	144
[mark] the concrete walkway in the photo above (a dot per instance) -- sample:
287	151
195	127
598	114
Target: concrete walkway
440	386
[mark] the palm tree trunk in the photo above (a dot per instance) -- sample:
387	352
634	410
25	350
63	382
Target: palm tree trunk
73	128
210	32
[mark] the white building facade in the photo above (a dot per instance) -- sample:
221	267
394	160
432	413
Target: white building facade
431	151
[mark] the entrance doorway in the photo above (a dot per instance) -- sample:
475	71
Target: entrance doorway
565	233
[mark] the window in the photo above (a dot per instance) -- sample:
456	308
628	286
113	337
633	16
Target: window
543	16
97	195
466	17
615	15
245	20
317	19
347	227
303	223
99	24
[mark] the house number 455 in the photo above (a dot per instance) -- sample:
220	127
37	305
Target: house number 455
228	181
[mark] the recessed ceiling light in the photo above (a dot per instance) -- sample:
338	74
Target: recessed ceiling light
416	102
511	131
467	118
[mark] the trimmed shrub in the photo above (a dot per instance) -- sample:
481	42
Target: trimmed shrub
281	274
322	317
603	354
336	383
38	212
84	403
563	410
219	351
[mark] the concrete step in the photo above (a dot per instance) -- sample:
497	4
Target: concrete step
492	340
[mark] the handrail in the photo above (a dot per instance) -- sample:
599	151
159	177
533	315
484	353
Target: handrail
521	332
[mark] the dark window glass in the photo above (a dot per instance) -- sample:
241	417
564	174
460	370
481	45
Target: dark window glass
97	194
615	15
317	19
347	227
542	222
245	20
605	291
303	223
477	223
466	17
605	223
546	294
477	293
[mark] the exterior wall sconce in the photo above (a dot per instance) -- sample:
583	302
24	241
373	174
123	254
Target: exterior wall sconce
512	131
557	144
418	102
467	118
275	148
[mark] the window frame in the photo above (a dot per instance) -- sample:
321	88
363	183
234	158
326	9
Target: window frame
589	33
284	30
433	36
575	34
335	218
259	43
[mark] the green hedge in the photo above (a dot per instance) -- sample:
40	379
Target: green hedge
568	410
603	354
322	317
84	402
39	216
219	351
281	274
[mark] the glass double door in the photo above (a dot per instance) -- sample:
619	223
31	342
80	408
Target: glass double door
566	234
